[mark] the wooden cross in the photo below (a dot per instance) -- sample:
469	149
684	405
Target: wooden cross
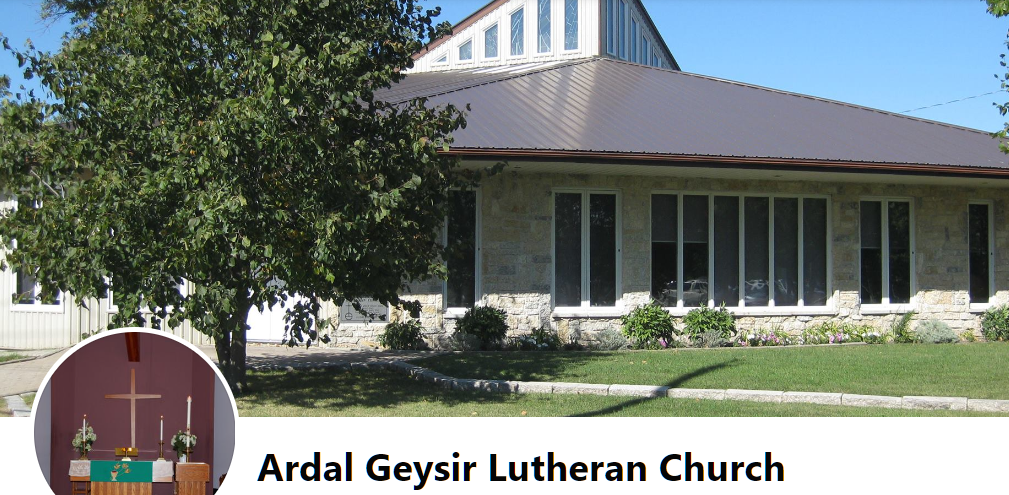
133	396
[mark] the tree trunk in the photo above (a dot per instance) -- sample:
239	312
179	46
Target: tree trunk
223	344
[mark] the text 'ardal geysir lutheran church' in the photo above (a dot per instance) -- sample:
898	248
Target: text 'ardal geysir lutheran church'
629	180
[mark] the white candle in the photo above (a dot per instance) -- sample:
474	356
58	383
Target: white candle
84	432
161	435
189	409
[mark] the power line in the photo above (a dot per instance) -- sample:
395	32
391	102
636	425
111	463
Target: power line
953	101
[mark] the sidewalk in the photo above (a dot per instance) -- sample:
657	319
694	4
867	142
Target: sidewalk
26	376
277	356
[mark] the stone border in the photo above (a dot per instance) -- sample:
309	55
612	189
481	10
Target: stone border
649	391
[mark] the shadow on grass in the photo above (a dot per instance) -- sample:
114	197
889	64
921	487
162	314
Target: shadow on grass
675	383
518	366
338	390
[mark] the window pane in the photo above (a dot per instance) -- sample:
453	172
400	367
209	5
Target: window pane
570	24
24	290
756	225
518	32
726	227
695	251
543	18
899	214
978	242
466	50
568	249
872	252
461	252
609	27
786	252
602	249
621	30
490	42
664	249
634	40
814	252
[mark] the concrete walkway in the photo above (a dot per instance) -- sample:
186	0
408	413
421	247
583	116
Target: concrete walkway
276	356
21	377
17	406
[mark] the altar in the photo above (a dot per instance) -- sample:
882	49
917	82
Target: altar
137	477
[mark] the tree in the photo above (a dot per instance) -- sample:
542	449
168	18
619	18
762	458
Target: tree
230	144
1000	8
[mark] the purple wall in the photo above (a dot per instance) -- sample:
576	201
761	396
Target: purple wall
100	367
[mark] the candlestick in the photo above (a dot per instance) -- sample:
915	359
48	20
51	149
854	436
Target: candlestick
189	410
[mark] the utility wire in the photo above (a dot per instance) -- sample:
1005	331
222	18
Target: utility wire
953	101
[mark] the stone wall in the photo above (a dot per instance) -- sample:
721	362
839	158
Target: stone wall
517	259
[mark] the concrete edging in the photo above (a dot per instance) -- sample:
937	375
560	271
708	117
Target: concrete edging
650	391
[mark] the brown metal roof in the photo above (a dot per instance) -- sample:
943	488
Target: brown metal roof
601	107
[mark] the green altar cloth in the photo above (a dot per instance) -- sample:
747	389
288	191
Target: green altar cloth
123	471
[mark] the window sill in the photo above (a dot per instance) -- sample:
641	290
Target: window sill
887	309
38	308
979	308
454	313
598	312
767	311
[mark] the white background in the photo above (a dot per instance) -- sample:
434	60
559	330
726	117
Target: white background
828	455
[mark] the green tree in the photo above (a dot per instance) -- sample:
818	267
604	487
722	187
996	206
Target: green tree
231	144
1000	8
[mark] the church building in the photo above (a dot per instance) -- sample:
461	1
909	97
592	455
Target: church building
629	180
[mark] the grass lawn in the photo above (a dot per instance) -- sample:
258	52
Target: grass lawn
385	393
978	370
29	398
10	356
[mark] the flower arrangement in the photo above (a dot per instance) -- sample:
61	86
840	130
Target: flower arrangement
83	441
179	443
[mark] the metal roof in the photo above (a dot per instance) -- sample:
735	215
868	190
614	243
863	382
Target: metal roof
603	106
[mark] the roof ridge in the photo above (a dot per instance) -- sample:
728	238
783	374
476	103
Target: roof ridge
491	80
803	95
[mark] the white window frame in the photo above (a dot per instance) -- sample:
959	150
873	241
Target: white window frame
472	51
829	309
454	311
483	44
973	306
525	34
585	309
564	27
37	306
885	307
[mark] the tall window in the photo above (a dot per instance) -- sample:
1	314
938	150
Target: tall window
886	251
461	249
622	30
570	24
634	40
979	240
646	53
611	27
543	26
466	50
585	249
490	42
750	251
518	32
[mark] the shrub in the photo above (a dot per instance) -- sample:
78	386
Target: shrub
703	320
541	339
901	329
935	332
995	323
648	326
711	338
968	336
459	341
610	340
402	335
486	323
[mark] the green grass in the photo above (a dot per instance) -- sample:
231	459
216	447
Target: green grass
979	370
385	393
29	398
10	356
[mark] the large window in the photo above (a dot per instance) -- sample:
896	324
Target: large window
740	251
885	227
979	240
466	51
518	32
543	26
461	250
490	42
586	248
570	24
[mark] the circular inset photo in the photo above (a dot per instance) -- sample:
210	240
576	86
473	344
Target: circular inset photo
134	411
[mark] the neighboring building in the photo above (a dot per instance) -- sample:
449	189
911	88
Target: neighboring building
629	180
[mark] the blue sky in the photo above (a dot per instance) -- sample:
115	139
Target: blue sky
893	55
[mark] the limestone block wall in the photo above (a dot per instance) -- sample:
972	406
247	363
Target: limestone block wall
517	259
